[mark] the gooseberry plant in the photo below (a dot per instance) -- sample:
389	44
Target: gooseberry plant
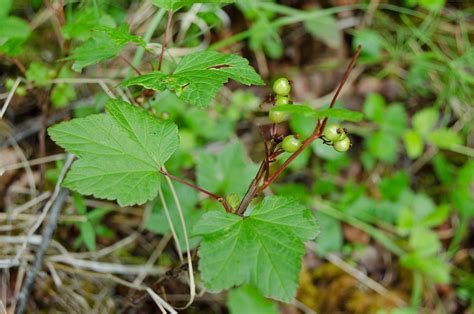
121	155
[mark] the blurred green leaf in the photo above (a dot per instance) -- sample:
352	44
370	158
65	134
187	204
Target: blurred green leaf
413	144
437	217
337	113
96	215
384	146
330	239
177	4
227	172
88	235
392	186
444	138
425	120
443	169
5	8
39	73
265	37
83	22
326	29
371	42
433	5
247	299
374	107
424	242
62	95
13	27
434	268
79	203
394	119
302	125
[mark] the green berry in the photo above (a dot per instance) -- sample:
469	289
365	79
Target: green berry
282	86
277	116
282	100
291	144
52	73
334	133
164	115
20	91
233	199
342	145
9	83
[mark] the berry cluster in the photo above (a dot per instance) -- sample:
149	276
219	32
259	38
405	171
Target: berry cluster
337	135
334	134
282	89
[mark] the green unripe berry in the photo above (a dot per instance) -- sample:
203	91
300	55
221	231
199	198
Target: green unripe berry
291	144
282	86
334	133
52	73
164	115
9	83
277	116
233	200
20	91
342	145
282	100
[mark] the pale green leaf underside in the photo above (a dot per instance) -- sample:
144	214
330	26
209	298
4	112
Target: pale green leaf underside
199	76
104	44
176	4
263	249
342	114
120	153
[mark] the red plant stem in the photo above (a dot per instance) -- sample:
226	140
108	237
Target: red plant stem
165	38
214	196
130	65
318	130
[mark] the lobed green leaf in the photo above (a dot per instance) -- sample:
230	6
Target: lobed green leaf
263	249
199	76
104	44
120	153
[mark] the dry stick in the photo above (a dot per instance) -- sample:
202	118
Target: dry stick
44	106
318	130
165	38
47	236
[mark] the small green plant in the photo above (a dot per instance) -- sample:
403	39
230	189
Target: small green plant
122	155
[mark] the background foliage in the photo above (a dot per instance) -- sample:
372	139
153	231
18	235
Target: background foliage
394	213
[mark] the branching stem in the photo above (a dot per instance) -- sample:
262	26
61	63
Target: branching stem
255	187
218	198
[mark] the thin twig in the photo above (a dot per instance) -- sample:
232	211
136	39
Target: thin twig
363	278
47	236
10	96
165	38
46	209
218	198
130	65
